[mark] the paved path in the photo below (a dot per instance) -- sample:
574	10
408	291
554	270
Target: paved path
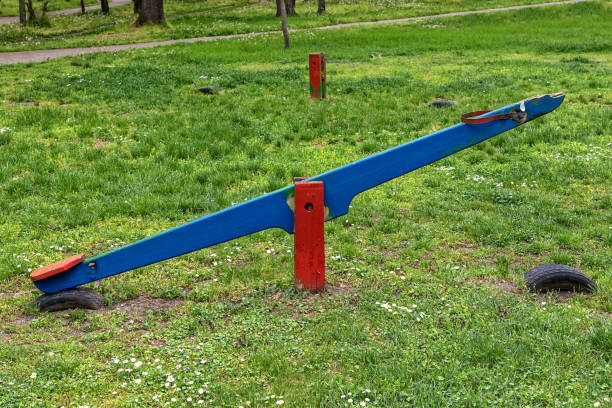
44	55
115	3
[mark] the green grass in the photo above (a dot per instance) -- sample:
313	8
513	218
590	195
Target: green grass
11	7
214	18
108	148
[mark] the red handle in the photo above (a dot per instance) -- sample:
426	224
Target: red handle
470	120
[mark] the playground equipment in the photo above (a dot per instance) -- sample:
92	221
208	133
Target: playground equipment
302	207
317	69
556	277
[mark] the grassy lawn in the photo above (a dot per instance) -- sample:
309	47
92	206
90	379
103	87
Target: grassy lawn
11	7
217	17
104	149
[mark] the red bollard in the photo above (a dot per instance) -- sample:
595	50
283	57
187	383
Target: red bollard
317	68
309	241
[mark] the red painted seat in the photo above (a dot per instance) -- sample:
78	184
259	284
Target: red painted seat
56	267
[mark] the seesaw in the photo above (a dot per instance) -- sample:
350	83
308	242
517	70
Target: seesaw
300	208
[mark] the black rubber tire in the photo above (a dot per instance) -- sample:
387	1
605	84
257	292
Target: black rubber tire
75	298
549	277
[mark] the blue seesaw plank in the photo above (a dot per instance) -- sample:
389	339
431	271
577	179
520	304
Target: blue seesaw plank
274	210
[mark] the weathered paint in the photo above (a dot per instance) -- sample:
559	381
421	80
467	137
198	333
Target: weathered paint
273	210
56	267
308	238
318	75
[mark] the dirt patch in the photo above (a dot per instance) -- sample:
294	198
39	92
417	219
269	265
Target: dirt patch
325	144
138	307
19	293
461	246
28	103
135	309
102	143
507	286
308	305
335	290
22	320
157	342
563	296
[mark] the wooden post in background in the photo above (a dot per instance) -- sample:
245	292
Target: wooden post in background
317	69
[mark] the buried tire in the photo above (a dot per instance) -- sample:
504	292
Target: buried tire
549	277
79	298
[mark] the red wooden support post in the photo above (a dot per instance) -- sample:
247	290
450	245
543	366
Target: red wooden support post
318	74
309	241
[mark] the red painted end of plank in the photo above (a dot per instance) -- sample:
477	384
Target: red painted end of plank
309	238
56	267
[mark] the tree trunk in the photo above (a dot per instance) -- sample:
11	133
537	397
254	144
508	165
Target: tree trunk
289	8
151	11
321	9
22	12
137	6
31	13
82	6
104	6
284	23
